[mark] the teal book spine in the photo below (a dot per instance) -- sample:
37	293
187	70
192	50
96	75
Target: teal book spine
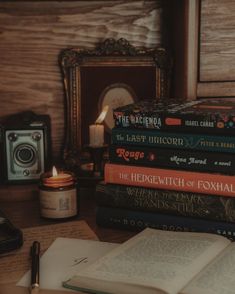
155	138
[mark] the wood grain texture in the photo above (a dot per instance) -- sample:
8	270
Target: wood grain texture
216	89
34	32
15	210
217	40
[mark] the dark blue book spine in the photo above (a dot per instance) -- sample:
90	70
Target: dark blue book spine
137	220
173	140
172	158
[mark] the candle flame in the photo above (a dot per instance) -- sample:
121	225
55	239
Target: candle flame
102	115
54	172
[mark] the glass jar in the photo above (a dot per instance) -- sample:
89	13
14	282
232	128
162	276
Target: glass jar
58	195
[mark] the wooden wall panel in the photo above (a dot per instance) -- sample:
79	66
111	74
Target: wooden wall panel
210	53
33	33
217	41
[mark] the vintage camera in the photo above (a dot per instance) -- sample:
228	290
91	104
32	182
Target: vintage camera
25	147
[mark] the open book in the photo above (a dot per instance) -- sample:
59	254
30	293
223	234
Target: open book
156	261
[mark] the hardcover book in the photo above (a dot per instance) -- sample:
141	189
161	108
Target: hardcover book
157	262
179	180
207	115
132	220
172	158
190	204
153	138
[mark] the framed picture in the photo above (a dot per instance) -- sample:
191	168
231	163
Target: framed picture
114	73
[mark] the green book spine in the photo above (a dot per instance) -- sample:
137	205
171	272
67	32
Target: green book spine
190	204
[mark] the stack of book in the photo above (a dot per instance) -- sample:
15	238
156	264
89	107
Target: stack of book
171	167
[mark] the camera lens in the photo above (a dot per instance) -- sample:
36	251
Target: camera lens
25	155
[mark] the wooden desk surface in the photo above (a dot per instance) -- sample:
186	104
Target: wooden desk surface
21	205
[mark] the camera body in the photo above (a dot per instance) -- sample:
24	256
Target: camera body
24	147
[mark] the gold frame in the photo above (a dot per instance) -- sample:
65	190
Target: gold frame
109	53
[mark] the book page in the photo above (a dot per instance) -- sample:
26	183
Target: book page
218	277
153	259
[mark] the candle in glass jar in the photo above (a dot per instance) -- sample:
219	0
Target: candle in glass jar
58	195
96	132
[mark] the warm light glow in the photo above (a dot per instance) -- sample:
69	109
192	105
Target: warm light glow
54	172
102	115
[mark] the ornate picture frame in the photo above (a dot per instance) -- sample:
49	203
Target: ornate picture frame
114	72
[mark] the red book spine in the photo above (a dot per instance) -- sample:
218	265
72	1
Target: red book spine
179	180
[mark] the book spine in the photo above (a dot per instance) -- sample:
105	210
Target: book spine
172	158
179	180
173	140
183	122
166	201
137	220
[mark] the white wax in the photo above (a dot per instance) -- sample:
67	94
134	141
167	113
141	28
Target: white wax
96	135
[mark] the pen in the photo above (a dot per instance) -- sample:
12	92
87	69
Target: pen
35	256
